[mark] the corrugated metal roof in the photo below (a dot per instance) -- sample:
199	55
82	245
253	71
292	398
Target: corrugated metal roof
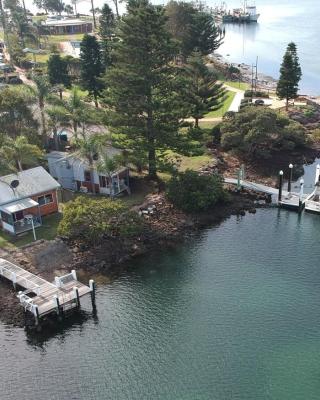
31	182
19	205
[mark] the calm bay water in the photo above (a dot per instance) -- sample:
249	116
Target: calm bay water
233	314
281	22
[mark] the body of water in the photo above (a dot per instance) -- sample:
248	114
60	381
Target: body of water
281	22
232	315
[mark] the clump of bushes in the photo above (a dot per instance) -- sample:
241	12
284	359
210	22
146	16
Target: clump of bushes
192	192
90	220
260	132
252	93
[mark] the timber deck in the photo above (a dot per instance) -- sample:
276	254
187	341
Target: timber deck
40	296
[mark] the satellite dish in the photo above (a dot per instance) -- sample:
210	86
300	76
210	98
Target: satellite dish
14	184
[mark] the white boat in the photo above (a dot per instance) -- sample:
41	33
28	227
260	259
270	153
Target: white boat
252	12
312	203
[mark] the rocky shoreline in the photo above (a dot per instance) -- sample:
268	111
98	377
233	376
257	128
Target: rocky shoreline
165	228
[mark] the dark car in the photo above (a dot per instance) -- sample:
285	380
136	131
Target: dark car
259	102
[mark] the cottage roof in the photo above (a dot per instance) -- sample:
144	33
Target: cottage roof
31	182
66	22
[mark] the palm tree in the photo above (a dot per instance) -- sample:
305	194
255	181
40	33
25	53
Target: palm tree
89	147
19	152
57	117
41	90
108	165
75	108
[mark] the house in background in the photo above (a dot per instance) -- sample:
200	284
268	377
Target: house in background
73	173
25	197
66	26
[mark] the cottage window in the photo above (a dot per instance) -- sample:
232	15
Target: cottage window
87	176
102	181
46	199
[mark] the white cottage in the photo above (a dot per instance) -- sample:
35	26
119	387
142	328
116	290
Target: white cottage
73	173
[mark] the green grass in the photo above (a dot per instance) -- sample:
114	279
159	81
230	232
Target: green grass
224	108
207	124
47	231
64	38
236	85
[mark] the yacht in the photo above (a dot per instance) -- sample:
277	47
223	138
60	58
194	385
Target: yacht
312	203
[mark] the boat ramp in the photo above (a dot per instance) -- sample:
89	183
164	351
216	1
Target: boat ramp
41	297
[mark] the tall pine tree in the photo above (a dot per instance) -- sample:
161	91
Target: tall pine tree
143	88
203	91
106	29
91	66
290	75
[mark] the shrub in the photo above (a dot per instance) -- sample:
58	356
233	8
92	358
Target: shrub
91	220
259	132
192	192
252	93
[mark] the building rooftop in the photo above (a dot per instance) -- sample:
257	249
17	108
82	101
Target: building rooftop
31	182
66	22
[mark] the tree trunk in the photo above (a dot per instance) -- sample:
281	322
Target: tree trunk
43	127
117	7
55	138
93	15
96	101
75	129
19	165
60	94
151	147
287	104
196	122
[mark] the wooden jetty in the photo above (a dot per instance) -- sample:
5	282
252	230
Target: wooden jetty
41	297
286	199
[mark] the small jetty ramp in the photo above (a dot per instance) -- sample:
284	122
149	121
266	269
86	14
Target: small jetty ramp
41	297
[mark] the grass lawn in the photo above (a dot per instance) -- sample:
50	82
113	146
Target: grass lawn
207	124
64	38
47	231
236	85
224	108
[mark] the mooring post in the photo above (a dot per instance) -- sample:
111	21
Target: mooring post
92	287
290	177
76	295
280	185
301	195
57	304
36	315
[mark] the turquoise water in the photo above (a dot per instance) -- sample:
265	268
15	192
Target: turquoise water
233	314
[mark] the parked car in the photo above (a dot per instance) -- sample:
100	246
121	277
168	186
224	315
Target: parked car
259	102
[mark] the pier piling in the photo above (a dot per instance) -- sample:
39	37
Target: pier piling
290	177
280	185
92	287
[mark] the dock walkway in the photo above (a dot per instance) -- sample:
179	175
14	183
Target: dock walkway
42	297
289	200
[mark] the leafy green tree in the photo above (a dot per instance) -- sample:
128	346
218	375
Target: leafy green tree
203	91
192	192
92	220
290	75
21	152
58	72
259	132
91	66
17	117
144	93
